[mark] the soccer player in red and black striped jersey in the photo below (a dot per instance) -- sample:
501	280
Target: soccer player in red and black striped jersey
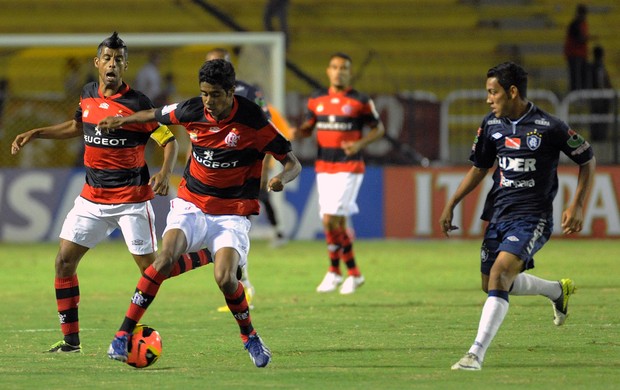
230	136
339	115
118	186
256	95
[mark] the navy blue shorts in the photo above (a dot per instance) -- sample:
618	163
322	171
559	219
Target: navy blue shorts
522	237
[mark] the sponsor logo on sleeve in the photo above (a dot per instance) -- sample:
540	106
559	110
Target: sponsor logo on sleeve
169	108
577	142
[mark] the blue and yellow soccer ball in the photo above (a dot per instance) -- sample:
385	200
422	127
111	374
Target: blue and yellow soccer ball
144	347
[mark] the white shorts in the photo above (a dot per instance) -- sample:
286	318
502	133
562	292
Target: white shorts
338	192
89	223
209	231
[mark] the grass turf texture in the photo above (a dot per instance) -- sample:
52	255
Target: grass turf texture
416	315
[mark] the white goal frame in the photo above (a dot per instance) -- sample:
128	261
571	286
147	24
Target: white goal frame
275	40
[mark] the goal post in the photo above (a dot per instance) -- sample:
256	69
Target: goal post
33	66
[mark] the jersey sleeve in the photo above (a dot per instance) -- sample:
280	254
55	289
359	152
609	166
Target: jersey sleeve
483	151
310	115
78	113
274	142
370	114
572	144
179	113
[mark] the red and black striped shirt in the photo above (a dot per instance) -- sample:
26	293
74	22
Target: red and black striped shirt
337	117
224	172
116	171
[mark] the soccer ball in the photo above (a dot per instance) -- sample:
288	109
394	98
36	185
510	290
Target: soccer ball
144	347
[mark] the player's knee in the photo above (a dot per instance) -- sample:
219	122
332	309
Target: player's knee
164	262
502	278
66	265
226	281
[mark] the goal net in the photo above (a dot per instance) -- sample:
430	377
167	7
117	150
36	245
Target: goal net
41	77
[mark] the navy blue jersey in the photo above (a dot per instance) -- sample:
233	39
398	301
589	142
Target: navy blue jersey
527	152
252	93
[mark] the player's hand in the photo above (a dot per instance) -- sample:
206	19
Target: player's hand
275	184
294	133
303	131
21	140
350	147
572	221
110	123
160	182
445	222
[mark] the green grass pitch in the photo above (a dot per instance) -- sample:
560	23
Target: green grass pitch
416	315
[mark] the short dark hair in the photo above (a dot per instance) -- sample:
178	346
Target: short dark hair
342	55
508	74
217	72
113	42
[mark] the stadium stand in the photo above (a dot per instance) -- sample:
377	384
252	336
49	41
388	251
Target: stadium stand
398	45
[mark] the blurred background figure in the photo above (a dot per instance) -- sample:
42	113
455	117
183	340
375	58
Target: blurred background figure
277	9
576	49
73	82
168	91
599	80
4	95
148	80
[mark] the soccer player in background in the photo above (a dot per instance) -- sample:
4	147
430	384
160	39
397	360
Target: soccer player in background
219	191
526	143
118	186
339	115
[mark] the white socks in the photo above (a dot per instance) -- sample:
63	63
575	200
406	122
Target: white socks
493	313
526	284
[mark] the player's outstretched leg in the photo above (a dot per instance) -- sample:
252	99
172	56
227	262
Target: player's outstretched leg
190	261
145	293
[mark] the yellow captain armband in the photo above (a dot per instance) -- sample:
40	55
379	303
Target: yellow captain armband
162	135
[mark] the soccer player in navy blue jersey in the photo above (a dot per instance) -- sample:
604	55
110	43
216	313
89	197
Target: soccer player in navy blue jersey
526	143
